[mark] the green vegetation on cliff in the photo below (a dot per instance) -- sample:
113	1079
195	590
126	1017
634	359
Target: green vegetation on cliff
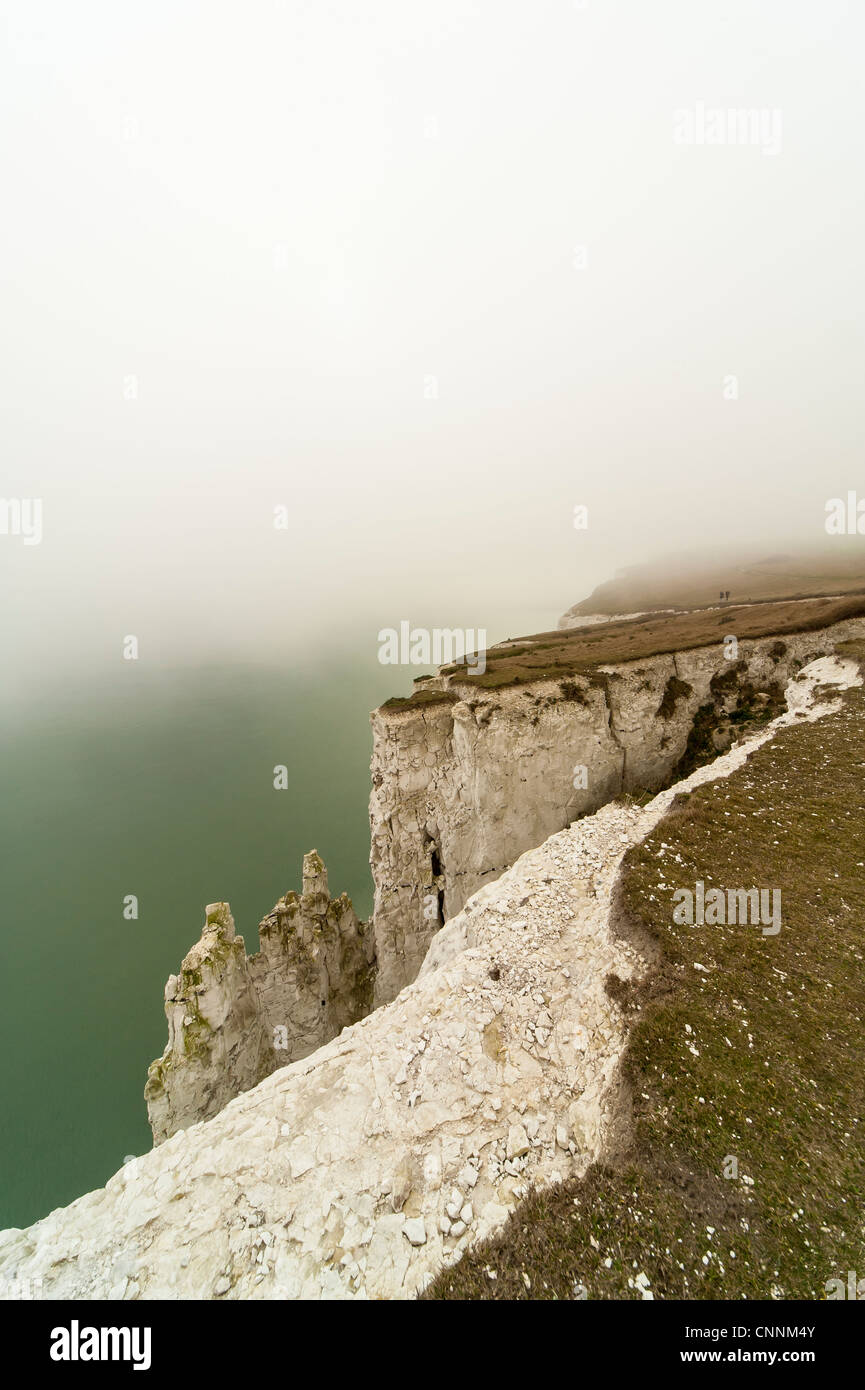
567	653
744	1167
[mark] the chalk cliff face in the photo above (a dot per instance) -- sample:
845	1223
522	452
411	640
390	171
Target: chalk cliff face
468	778
218	1042
464	781
363	1169
313	973
233	1018
462	788
359	1170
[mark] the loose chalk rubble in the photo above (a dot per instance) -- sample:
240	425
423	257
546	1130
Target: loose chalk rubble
363	1169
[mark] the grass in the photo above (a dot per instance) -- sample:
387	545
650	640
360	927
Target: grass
759	1057
419	699
579	651
575	654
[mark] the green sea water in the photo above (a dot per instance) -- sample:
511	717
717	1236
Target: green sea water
158	784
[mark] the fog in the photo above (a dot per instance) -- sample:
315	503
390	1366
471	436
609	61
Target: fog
428	276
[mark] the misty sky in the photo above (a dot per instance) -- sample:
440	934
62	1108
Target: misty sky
326	255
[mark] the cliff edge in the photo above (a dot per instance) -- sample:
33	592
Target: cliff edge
366	1168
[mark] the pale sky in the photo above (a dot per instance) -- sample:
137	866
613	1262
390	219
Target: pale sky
326	255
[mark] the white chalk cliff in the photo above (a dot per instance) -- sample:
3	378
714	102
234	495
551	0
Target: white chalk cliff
361	1169
465	779
462	787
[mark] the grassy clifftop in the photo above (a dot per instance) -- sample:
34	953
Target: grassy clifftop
744	1171
579	651
564	653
